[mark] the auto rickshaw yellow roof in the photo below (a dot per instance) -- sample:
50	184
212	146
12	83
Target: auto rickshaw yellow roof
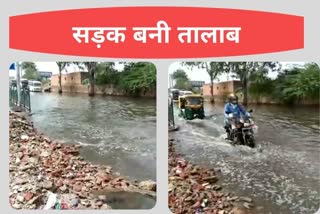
192	95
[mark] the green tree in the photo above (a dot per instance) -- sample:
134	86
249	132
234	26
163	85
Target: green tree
179	74
291	85
106	73
138	78
302	84
30	71
91	67
183	84
181	80
280	83
135	78
245	70
260	85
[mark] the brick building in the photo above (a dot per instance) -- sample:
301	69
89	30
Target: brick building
221	89
69	79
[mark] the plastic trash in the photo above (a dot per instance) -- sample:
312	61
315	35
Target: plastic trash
52	200
64	206
57	206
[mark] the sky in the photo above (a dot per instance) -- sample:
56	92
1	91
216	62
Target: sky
197	74
52	67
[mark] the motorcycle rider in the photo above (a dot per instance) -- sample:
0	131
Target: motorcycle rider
233	107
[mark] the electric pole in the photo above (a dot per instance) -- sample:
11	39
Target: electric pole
18	83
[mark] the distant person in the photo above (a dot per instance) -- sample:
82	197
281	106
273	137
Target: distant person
233	107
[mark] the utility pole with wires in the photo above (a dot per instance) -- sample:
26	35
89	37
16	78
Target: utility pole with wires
18	78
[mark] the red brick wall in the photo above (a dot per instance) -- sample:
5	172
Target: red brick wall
221	88
70	79
99	89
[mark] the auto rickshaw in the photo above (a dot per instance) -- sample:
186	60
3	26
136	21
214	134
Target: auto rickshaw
191	107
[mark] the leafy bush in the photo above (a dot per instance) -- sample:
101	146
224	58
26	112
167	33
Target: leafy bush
303	85
138	77
291	86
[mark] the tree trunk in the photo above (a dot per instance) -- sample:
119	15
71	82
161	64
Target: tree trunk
211	91
91	89
245	91
60	84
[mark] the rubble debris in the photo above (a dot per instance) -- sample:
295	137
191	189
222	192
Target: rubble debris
193	189
45	174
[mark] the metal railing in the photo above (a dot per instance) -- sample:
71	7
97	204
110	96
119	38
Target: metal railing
171	115
25	101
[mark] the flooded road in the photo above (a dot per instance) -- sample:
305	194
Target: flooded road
115	131
282	175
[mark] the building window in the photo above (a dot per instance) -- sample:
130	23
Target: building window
217	88
224	87
71	78
65	78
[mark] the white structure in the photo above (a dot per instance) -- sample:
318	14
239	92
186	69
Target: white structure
182	93
35	86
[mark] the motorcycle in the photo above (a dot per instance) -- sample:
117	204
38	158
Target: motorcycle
242	130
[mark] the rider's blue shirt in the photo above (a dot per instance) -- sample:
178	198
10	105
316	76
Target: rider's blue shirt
235	109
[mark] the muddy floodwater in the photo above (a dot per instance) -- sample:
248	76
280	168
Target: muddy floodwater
115	131
282	174
128	200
